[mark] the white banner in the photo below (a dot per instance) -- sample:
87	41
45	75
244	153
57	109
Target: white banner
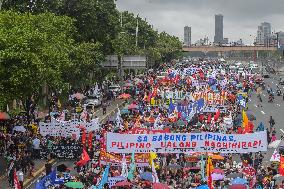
187	142
67	129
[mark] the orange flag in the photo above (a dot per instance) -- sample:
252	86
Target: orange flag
245	122
209	169
281	166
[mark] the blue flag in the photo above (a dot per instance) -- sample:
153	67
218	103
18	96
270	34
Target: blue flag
47	181
104	179
171	107
132	168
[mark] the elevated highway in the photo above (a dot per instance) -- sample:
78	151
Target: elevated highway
206	49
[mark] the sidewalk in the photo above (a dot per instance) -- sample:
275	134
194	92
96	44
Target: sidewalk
39	164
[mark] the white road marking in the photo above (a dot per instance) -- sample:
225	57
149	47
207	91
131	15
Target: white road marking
255	105
278	104
282	130
262	112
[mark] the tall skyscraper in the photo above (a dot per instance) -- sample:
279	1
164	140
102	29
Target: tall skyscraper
187	36
263	34
218	38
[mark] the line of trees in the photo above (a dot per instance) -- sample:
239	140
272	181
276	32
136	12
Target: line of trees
59	43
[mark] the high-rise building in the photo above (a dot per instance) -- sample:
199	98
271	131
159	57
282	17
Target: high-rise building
281	38
263	34
187	36
218	38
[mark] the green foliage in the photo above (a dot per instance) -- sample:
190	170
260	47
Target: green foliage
62	42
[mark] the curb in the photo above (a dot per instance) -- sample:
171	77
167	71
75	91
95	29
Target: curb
36	174
29	181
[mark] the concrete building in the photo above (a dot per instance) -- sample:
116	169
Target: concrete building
187	36
218	38
281	38
263	34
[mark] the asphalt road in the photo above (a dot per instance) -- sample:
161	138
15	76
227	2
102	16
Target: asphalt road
275	109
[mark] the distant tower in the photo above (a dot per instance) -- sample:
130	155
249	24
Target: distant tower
187	36
218	38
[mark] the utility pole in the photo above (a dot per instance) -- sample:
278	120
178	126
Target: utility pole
137	29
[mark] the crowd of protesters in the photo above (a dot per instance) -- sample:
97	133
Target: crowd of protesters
22	148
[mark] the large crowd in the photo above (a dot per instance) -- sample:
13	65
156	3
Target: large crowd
150	105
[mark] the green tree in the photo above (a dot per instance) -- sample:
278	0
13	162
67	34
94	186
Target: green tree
33	49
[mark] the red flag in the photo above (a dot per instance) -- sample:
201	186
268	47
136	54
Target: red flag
84	138
281	166
209	119
217	115
84	159
16	181
90	140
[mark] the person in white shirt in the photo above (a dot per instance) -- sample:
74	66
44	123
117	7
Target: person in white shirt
36	148
20	176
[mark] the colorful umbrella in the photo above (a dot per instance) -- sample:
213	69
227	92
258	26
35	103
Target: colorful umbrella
74	184
4	116
217	157
124	96
122	183
238	186
146	176
239	180
202	187
160	186
79	96
249	170
217	176
132	106
218	171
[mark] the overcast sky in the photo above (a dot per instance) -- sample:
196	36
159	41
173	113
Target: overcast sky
241	17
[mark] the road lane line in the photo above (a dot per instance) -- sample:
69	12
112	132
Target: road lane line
262	112
282	130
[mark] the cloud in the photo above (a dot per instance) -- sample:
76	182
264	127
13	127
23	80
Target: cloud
241	17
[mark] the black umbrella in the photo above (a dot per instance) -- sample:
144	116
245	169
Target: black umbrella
61	168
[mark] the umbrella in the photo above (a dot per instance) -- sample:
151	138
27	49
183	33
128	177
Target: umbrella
79	96
124	96
74	184
218	171
124	111
238	186
61	168
133	106
216	176
123	183
217	157
4	116
234	175
146	176
249	170
19	128
202	187
160	186
239	180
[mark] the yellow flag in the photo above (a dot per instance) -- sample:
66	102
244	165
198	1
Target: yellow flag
152	157
209	167
245	119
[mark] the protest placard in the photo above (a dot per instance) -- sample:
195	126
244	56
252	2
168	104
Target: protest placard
187	142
